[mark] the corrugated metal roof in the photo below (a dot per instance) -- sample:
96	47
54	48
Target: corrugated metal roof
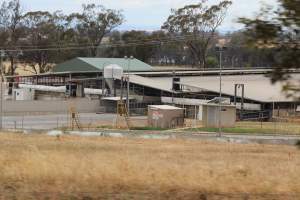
257	87
97	64
148	82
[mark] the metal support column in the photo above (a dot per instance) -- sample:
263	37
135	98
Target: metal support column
220	103
103	83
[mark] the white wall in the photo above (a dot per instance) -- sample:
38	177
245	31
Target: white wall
183	101
23	94
58	106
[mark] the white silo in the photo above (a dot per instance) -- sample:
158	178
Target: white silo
112	72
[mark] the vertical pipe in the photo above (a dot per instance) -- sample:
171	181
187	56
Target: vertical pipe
235	94
122	83
195	125
128	85
103	82
70	85
22	122
114	87
173	77
243	96
220	104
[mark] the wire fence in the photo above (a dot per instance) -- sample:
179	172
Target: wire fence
260	122
88	121
97	121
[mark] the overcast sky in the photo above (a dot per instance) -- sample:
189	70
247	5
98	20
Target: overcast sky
149	14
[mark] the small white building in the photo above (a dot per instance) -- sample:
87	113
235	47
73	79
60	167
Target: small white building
23	94
165	116
213	115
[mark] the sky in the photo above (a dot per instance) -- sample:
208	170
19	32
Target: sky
150	14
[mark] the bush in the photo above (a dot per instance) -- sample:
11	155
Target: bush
211	62
298	144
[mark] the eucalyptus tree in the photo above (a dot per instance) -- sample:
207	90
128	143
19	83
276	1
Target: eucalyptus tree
11	26
41	34
279	30
94	23
198	24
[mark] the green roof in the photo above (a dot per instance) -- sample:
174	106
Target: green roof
97	64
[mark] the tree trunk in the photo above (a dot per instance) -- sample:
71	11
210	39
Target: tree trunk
203	63
12	68
93	51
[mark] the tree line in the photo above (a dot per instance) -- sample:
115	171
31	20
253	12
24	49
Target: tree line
40	39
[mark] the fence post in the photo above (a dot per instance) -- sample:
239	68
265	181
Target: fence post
57	121
195	122
274	120
22	122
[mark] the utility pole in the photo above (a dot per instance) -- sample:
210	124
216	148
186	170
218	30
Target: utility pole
2	54
220	49
220	103
128	83
173	89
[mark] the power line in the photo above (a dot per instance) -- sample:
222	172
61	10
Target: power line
147	42
156	41
91	44
152	43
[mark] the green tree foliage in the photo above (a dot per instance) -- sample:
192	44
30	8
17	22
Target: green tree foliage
278	30
78	34
212	62
199	23
93	23
38	35
11	27
140	44
239	54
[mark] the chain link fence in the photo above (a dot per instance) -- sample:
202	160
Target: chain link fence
260	122
289	125
87	121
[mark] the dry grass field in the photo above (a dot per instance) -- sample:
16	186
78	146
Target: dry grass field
285	128
43	167
273	128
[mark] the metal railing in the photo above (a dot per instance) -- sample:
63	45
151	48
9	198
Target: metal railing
254	116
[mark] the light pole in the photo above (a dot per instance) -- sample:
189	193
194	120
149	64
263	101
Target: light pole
128	82
220	49
2	54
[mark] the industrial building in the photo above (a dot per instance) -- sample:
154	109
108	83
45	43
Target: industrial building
249	90
98	64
